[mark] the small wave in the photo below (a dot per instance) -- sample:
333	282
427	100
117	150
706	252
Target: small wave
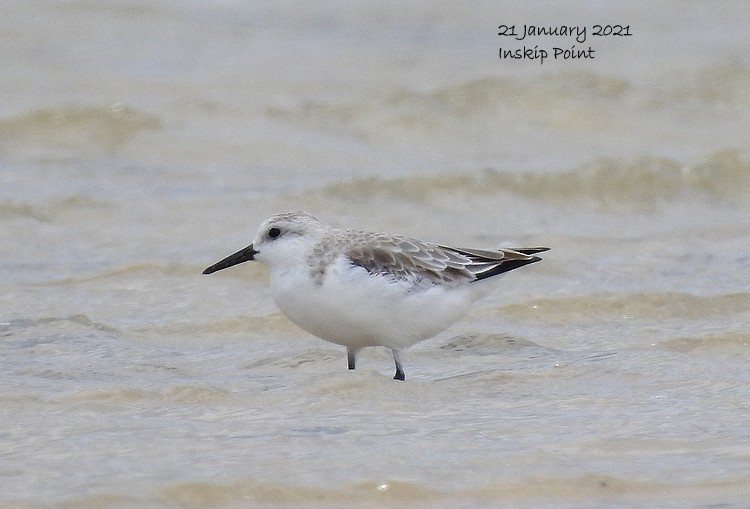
10	210
77	320
113	396
606	183
728	343
555	100
563	101
589	488
72	203
255	326
596	488
128	271
486	344
198	395
49	210
608	306
721	84
498	93
129	395
200	494
646	182
73	129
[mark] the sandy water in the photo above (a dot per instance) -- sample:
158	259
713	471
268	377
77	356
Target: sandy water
141	142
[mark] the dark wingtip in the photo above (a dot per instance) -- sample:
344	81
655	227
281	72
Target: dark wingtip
531	250
506	267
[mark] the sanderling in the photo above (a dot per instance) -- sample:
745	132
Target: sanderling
359	289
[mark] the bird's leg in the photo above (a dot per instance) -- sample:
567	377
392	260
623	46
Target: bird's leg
399	368
351	357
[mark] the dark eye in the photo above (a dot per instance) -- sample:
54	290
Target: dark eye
274	232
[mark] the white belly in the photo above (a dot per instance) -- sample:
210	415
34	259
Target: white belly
353	308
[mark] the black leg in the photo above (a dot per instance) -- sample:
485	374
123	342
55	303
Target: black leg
399	368
351	357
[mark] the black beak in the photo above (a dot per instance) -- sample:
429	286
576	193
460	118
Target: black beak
243	255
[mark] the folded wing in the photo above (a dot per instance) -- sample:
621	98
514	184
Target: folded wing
418	262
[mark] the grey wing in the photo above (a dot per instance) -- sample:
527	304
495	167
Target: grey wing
411	261
420	262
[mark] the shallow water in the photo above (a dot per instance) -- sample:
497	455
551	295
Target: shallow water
140	143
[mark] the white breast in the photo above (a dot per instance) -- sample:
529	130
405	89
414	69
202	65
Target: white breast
352	307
